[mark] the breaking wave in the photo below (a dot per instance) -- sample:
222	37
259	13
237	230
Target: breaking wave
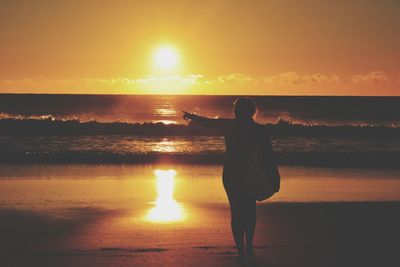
18	125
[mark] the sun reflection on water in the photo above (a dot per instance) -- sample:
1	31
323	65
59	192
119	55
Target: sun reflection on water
164	146
165	111
166	208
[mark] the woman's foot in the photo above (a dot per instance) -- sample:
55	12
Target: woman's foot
249	252
241	253
250	259
240	256
241	259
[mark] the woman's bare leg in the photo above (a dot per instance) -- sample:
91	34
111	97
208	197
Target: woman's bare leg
238	235
237	224
250	227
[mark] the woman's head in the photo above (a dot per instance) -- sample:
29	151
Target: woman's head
244	108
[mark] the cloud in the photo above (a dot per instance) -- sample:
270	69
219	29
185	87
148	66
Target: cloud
295	78
199	83
374	76
235	78
189	79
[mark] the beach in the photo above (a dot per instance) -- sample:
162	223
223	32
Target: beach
126	125
99	215
116	180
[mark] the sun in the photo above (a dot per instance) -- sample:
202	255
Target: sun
165	57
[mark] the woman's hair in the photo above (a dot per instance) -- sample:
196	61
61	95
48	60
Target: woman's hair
244	108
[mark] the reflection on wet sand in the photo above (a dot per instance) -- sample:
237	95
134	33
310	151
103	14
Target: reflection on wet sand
53	187
166	208
96	215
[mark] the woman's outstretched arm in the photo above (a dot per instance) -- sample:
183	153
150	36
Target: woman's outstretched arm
218	124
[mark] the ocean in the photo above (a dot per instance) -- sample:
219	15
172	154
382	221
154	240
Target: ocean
305	130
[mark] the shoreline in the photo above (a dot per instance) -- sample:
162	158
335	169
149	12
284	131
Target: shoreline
373	160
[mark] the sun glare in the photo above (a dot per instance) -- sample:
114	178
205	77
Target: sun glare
165	57
166	208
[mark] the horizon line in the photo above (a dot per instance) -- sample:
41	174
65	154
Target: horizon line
244	95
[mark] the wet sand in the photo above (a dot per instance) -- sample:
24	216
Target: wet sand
96	216
288	234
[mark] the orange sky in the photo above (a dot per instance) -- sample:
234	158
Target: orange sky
225	47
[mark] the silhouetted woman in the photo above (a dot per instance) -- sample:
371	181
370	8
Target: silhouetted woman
242	136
